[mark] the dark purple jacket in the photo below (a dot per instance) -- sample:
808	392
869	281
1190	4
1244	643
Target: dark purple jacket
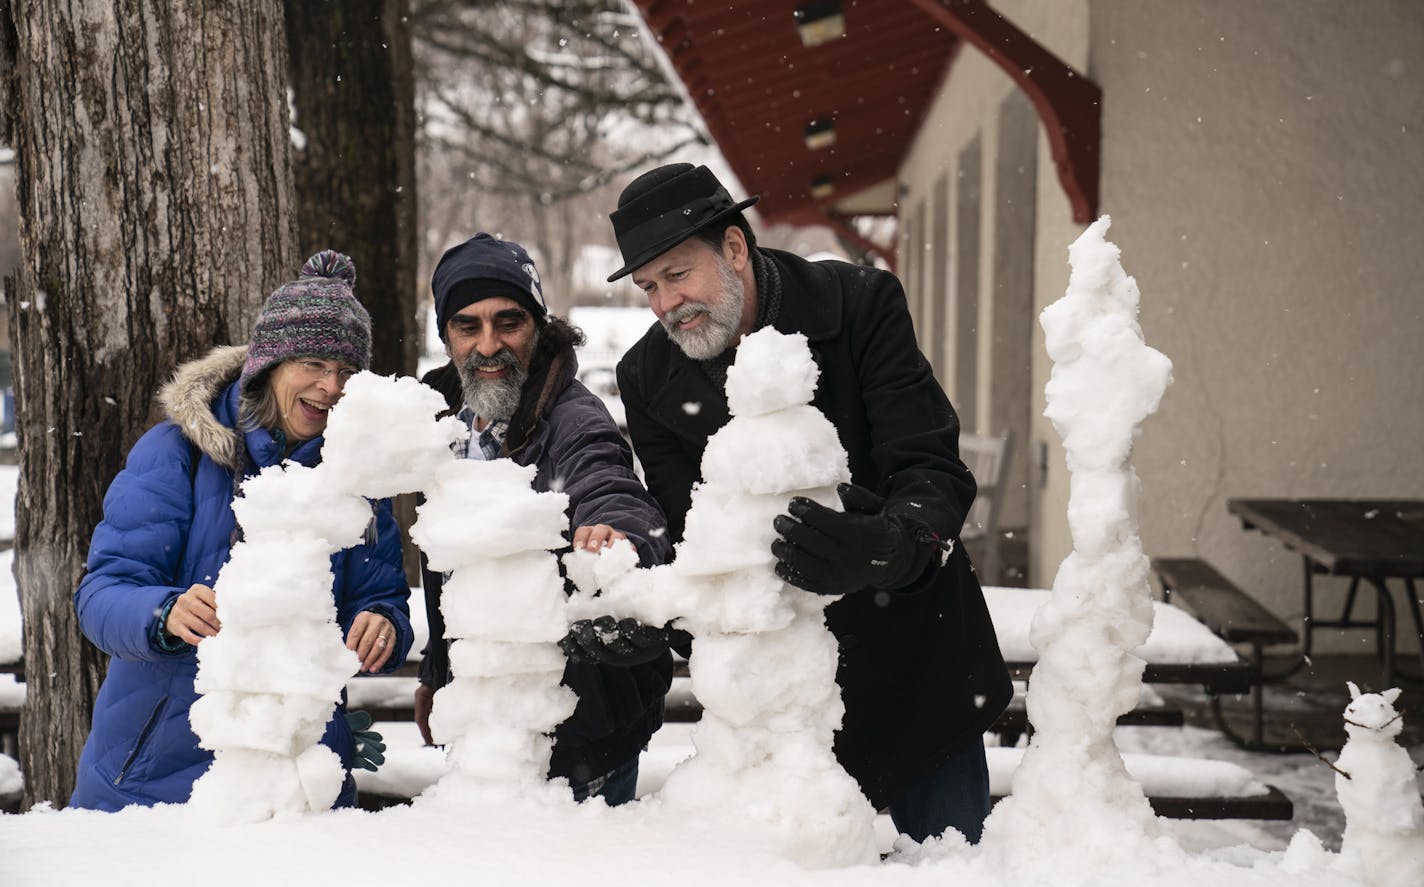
920	669
565	431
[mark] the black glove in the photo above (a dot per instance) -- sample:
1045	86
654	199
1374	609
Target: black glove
370	747
832	552
606	641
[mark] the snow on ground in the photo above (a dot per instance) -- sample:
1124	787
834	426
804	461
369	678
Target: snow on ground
500	844
608	332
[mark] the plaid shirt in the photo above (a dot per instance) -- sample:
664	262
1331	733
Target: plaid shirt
483	445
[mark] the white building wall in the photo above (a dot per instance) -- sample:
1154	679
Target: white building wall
969	108
1264	169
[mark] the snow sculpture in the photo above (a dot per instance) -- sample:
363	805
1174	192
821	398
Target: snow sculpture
1105	382
1383	844
504	606
763	662
270	679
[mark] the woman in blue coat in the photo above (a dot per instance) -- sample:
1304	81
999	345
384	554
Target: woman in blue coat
168	528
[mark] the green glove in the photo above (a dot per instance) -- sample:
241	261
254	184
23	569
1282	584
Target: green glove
370	747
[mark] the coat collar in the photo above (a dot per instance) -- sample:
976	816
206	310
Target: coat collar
810	297
194	401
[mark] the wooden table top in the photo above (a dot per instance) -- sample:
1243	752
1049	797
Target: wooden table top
1347	537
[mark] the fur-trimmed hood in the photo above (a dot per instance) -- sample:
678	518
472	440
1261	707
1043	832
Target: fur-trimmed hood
187	400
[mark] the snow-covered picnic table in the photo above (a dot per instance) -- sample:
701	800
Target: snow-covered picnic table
1180	650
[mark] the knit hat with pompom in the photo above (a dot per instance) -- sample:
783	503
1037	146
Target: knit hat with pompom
314	316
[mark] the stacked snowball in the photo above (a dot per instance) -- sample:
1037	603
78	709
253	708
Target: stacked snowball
504	607
763	663
270	679
1105	382
1378	788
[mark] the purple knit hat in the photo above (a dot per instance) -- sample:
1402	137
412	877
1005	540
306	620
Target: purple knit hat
314	316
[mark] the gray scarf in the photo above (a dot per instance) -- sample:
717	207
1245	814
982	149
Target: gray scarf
768	291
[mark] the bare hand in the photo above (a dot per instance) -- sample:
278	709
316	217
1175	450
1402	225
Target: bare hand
194	615
595	537
373	638
424	705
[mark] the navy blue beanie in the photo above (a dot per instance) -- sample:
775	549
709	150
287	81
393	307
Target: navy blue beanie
483	267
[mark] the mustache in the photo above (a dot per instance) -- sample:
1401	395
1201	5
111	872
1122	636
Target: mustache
683	313
499	360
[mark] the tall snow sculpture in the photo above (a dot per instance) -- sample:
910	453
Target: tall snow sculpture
763	662
1383	844
504	607
271	678
1105	382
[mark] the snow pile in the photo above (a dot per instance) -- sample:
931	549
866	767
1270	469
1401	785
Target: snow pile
381	438
763	662
12	784
12	693
1105	382
9	485
1176	637
12	645
504	608
270	680
1383	844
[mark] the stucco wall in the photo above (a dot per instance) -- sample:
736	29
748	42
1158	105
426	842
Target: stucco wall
1264	169
1263	166
969	108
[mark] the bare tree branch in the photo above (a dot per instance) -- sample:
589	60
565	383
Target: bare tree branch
548	98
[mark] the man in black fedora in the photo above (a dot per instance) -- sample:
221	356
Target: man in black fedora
920	669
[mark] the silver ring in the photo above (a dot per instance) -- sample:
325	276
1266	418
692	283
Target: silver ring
381	640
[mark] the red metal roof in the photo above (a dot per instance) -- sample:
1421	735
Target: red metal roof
757	87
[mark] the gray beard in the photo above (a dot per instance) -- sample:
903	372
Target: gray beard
719	331
492	399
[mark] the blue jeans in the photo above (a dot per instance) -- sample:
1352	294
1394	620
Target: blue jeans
956	794
618	787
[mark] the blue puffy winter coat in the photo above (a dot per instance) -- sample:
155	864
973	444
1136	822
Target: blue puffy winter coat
167	526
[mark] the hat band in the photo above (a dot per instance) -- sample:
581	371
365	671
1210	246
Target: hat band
667	225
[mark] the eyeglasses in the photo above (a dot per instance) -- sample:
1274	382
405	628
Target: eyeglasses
318	369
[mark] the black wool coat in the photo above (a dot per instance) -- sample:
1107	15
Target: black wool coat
920	669
564	430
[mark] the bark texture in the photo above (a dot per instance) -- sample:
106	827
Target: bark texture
353	96
156	212
354	105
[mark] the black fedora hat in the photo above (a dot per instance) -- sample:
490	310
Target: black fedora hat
663	207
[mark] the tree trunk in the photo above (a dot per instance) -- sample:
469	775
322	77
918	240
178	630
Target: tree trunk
156	206
354	99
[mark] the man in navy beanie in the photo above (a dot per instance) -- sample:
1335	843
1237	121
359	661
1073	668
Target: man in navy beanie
511	379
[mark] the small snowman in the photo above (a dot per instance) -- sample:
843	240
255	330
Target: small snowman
1383	842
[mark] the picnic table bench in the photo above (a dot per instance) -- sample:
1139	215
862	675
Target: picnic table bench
1179	650
1236	618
